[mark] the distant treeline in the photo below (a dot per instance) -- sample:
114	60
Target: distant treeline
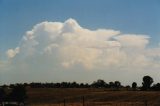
116	85
17	92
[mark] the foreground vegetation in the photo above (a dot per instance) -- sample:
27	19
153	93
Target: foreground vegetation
91	95
74	93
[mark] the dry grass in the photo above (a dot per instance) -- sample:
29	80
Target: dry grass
93	97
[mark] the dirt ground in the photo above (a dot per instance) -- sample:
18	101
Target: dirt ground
90	96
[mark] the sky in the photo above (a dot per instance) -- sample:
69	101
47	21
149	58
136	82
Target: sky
79	40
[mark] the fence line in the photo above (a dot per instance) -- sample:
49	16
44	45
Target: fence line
84	102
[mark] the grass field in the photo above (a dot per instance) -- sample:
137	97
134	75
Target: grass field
92	97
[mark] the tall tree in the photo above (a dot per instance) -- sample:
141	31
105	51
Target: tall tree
147	81
2	95
18	94
117	84
134	85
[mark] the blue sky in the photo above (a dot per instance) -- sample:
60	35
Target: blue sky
136	18
128	16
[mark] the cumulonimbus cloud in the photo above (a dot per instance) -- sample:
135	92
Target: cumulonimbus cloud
62	46
69	44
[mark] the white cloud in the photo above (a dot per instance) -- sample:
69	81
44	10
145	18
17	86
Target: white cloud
131	40
72	43
12	52
54	46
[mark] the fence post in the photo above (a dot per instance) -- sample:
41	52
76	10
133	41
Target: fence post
83	100
145	103
64	101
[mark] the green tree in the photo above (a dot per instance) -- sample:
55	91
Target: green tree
147	81
117	84
134	85
99	83
18	94
2	95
